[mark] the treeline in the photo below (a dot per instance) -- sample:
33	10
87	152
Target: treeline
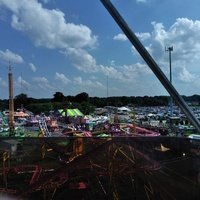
85	103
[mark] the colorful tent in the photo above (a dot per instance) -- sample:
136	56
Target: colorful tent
78	112
21	114
71	112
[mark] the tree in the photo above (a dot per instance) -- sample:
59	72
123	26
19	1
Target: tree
38	108
59	97
21	100
82	97
86	108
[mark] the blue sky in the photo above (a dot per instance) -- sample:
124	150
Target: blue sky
75	46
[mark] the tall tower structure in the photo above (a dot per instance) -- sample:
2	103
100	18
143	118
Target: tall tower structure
11	101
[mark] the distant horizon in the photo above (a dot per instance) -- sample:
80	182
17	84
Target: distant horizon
104	97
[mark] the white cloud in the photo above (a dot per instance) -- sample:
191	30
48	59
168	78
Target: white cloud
47	28
143	36
22	83
141	1
62	78
82	60
42	83
183	35
33	67
87	83
8	55
2	82
111	71
120	37
186	76
85	62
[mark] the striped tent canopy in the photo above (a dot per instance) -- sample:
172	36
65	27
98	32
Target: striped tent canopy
71	112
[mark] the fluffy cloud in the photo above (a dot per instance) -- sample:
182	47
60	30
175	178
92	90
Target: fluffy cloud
87	83
22	83
33	67
85	62
50	30
8	55
42	83
186	76
183	35
120	37
82	60
2	82
143	36
62	78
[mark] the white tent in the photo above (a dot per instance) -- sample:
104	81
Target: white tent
124	109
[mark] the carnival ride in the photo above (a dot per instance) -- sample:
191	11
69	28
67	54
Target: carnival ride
43	128
3	119
102	168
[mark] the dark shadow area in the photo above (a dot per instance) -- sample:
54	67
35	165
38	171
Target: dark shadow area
100	168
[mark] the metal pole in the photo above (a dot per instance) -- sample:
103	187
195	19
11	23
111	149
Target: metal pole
151	63
170	49
107	86
170	71
170	61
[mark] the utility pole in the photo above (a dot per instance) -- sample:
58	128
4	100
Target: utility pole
170	49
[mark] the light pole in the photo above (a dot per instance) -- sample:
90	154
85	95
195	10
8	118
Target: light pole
170	49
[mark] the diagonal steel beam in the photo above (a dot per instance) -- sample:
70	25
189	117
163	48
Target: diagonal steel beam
151	63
